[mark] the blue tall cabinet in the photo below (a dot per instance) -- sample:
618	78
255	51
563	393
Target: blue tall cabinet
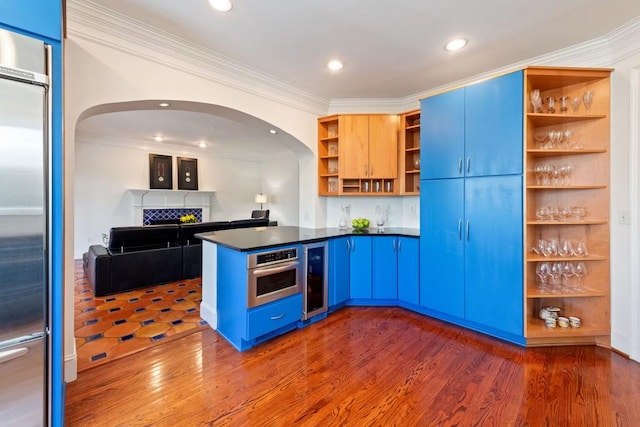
471	231
42	19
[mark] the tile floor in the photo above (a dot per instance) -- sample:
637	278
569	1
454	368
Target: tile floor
114	326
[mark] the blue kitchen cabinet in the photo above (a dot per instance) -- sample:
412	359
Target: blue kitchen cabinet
408	270
360	268
493	112
245	327
493	252
471	254
442	271
338	272
442	135
33	17
385	268
473	131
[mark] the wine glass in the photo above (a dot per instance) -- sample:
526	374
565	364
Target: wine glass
551	104
564	104
580	249
567	272
580	271
565	249
578	213
587	98
543	273
575	104
536	101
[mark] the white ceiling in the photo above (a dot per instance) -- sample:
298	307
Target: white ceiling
390	49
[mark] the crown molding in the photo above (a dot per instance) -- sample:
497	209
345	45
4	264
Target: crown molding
604	51
89	21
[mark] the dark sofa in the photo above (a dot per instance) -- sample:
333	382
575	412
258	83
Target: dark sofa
148	255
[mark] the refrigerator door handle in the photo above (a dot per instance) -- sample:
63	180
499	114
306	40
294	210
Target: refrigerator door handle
26	339
6	356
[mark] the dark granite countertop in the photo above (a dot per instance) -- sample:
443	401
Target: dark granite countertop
249	239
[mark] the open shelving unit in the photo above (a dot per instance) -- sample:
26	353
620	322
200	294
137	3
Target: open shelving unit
410	153
328	156
587	152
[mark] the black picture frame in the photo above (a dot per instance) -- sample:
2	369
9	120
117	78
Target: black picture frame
187	173
160	172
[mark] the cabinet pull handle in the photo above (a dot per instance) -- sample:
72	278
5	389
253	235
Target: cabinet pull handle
468	164
460	166
278	317
399	245
394	245
353	245
459	228
348	245
366	171
371	171
467	230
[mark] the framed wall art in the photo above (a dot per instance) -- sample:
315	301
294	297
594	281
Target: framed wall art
160	172
187	173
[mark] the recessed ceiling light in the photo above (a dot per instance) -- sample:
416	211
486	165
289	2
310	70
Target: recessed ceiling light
334	65
163	104
202	144
273	131
158	138
456	44
221	5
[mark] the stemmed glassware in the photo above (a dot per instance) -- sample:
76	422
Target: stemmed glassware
580	271
536	101
564	104
551	104
575	104
587	98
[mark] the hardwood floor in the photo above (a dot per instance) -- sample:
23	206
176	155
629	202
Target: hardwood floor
361	367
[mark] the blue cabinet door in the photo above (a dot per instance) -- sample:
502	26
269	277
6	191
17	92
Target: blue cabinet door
493	112
494	252
442	245
338	271
385	267
360	267
442	135
38	17
409	270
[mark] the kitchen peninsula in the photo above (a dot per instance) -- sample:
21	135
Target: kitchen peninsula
254	280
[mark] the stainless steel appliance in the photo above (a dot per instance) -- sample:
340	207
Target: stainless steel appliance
24	219
273	275
316	285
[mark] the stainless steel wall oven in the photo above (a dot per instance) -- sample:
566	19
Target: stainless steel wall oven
273	275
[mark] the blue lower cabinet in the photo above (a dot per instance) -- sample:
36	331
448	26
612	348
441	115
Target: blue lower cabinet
408	270
442	246
493	253
385	268
273	317
338	272
360	268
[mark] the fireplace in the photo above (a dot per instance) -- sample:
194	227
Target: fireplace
168	215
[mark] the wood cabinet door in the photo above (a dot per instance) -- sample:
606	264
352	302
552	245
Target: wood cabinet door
354	146
494	252
442	246
493	126
383	146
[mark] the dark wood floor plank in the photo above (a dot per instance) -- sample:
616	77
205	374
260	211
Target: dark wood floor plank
360	366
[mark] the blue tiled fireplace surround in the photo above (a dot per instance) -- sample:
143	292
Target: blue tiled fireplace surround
164	214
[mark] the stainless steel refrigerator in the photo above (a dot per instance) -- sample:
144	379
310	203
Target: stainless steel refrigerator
24	242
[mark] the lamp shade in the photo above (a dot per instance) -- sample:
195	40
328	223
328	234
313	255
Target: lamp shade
261	198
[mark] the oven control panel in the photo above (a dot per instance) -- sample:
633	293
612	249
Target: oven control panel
266	258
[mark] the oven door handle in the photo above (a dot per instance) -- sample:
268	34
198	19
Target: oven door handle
281	267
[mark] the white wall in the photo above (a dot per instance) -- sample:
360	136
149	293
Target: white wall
281	183
104	173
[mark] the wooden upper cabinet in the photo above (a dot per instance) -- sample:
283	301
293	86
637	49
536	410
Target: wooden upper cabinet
383	146
354	147
369	146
